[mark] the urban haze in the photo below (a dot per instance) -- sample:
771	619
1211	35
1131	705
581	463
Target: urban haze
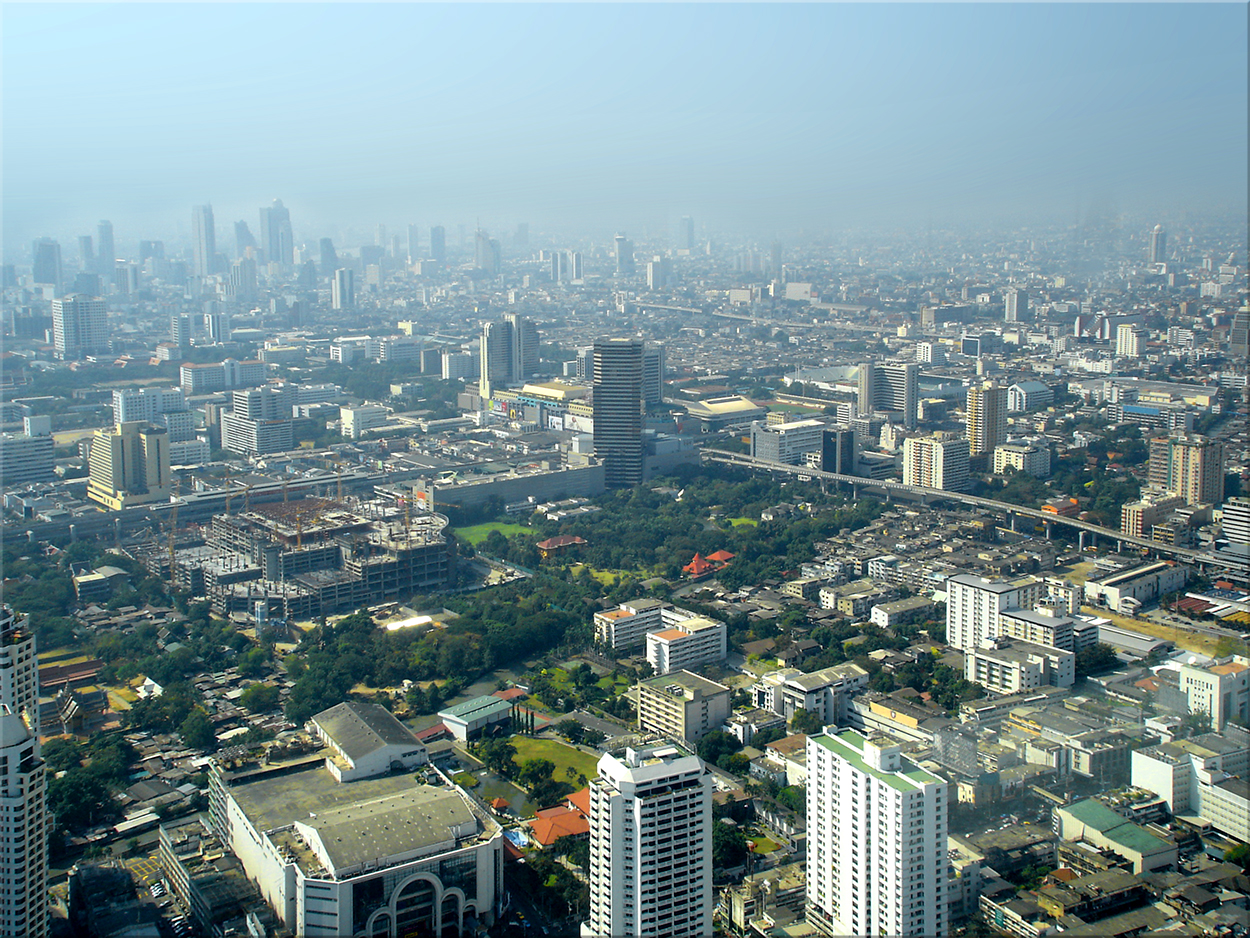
604	470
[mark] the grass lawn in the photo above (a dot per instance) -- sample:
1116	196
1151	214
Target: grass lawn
764	844
739	521
477	533
606	577
558	753
466	780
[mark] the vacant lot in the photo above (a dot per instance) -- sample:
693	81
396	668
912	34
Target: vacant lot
558	753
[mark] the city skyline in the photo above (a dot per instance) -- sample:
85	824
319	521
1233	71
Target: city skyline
1055	116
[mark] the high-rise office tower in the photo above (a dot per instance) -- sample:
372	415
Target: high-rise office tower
414	243
276	237
1236	522
624	252
79	326
343	289
1158	245
379	236
987	418
107	256
573	266
936	463
650	845
1016	305
774	260
438	244
243	239
653	375
891	387
524	346
329	258
685	234
659	272
877	853
23	785
397	248
487	254
45	264
129	465
521	238
838	451
1189	466
86	254
496	354
618	409
204	240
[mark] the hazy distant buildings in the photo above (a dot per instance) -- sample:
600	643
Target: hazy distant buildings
79	326
685	234
438	244
204	240
618	409
276	238
624	253
106	256
487	254
243	240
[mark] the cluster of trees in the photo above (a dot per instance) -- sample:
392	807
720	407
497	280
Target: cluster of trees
720	749
577	734
581	690
946	685
535	775
84	779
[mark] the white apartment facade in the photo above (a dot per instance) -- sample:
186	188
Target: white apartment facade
627	625
1004	665
692	642
876	839
1221	690
973	606
650	845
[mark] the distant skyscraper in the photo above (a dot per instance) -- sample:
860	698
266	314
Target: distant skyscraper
46	262
624	252
618	408
1158	245
243	283
685	234
276	237
877	854
414	243
86	254
1239	336
79	326
107	256
329	258
23	785
521	239
1016	305
487	255
379	236
650	845
343	289
243	239
774	260
987	418
653	375
438	244
204	240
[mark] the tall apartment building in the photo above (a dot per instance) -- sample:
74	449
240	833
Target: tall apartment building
144	404
23	785
1190	466
987	418
788	442
974	605
876	839
509	352
682	705
618	409
129	465
261	420
79	326
692	642
890	387
936	463
1016	305
1130	341
650	845
1004	665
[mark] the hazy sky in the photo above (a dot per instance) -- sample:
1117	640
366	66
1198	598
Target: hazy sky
605	115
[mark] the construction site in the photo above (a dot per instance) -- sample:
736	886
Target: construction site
308	558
